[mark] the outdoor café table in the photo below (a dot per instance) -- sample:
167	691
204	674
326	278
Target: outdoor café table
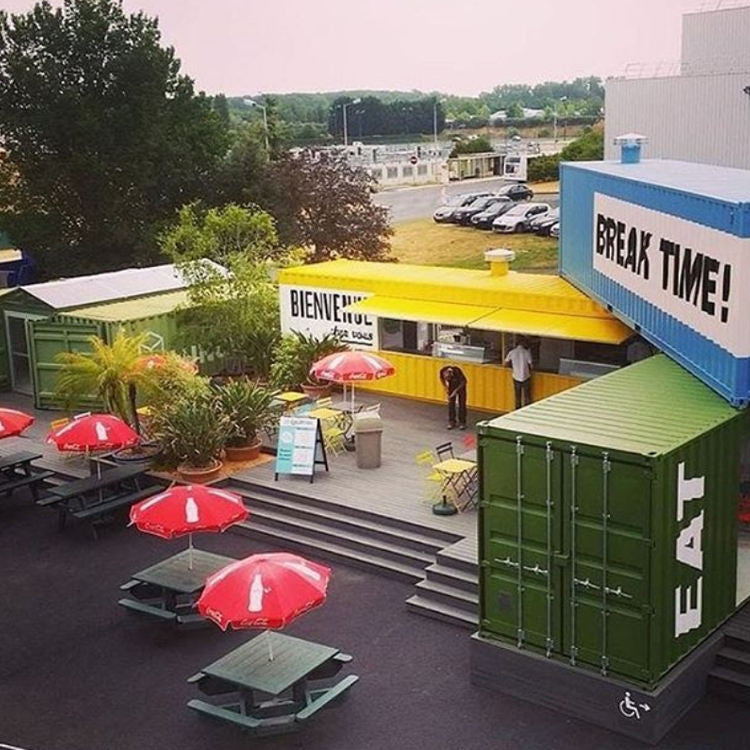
326	414
458	477
94	495
291	399
169	589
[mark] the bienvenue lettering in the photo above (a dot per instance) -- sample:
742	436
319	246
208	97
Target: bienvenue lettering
327	306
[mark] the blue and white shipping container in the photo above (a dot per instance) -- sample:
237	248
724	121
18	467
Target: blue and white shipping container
665	245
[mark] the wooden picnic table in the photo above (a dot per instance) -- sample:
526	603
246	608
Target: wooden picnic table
168	590
16	471
93	497
274	694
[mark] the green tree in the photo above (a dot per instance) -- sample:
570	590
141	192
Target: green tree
325	206
589	147
103	136
233	308
514	111
478	145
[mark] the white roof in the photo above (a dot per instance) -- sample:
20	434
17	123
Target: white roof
106	287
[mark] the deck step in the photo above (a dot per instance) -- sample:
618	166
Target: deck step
459	579
249	488
729	683
449	595
735	659
447	558
453	615
331	550
375	526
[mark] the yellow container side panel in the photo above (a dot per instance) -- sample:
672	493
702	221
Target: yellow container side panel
490	387
521	291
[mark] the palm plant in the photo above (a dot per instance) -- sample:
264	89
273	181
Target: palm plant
297	353
249	408
109	373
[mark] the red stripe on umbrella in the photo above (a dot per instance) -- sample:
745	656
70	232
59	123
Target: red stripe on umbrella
93	432
13	422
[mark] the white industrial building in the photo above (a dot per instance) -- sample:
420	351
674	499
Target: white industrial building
695	110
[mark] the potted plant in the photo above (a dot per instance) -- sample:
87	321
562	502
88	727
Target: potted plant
296	354
248	408
192	430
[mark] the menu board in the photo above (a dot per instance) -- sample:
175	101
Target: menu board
295	453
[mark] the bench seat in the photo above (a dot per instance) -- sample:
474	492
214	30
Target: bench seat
319	699
31	481
234	717
148	609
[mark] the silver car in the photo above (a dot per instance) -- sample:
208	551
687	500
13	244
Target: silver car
517	219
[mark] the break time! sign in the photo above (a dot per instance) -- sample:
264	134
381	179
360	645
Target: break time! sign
692	272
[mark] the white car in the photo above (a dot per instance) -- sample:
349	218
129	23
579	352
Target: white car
445	213
517	219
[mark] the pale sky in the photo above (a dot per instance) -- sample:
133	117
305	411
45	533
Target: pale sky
454	46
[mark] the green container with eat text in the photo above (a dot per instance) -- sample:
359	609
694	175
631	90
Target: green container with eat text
608	521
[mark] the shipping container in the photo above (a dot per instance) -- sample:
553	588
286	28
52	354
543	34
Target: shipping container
665	246
608	533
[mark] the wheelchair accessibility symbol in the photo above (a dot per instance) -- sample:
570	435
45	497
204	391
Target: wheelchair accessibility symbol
632	710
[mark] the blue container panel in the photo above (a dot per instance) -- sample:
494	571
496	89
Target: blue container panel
719	369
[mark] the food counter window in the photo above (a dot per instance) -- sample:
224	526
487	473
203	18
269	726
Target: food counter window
406	336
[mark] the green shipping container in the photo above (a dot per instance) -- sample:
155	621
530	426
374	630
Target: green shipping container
608	532
154	315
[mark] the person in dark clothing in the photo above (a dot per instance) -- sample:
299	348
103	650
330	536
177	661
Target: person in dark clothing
454	382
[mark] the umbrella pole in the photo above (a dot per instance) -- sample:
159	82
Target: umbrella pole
190	551
270	645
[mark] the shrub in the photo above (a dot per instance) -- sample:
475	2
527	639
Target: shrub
248	408
296	354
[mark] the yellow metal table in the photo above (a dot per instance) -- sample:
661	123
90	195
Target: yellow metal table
459	480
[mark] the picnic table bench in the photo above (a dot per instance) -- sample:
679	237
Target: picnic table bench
168	590
276	695
16	471
96	497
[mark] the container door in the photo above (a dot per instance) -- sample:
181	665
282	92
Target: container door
17	337
607	617
521	542
47	339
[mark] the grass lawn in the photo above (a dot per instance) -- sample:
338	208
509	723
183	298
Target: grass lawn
423	241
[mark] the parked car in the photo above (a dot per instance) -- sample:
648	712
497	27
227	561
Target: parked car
554	230
518	217
517	192
543	223
484	219
445	212
464	214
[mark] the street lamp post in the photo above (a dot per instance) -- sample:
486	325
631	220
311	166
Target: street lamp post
554	116
434	123
344	105
253	103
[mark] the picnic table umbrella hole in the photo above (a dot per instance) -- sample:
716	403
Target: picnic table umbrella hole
265	590
13	422
187	509
351	367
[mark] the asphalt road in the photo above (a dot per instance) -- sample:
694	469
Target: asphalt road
420	202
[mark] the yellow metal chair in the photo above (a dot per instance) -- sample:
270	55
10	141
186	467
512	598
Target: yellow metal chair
334	438
432	480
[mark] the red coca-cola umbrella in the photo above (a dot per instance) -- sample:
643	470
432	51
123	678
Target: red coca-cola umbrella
263	591
93	432
13	422
184	510
351	367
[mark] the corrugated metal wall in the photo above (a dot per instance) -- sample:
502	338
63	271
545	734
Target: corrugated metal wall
716	42
692	118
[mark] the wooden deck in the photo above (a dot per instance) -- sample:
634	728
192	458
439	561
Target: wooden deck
397	488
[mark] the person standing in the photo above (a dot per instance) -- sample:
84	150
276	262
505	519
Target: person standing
454	382
519	358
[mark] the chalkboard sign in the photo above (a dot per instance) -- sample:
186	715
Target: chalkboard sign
300	447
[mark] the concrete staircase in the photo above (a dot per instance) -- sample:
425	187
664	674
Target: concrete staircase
434	560
730	676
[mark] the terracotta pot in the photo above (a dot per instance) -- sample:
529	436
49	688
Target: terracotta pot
139	454
202	474
243	452
316	391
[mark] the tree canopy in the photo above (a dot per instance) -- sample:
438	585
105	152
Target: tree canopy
103	136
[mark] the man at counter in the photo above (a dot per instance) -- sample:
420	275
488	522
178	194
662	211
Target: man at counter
519	358
454	382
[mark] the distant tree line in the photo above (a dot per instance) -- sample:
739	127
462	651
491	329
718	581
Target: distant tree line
589	147
372	116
